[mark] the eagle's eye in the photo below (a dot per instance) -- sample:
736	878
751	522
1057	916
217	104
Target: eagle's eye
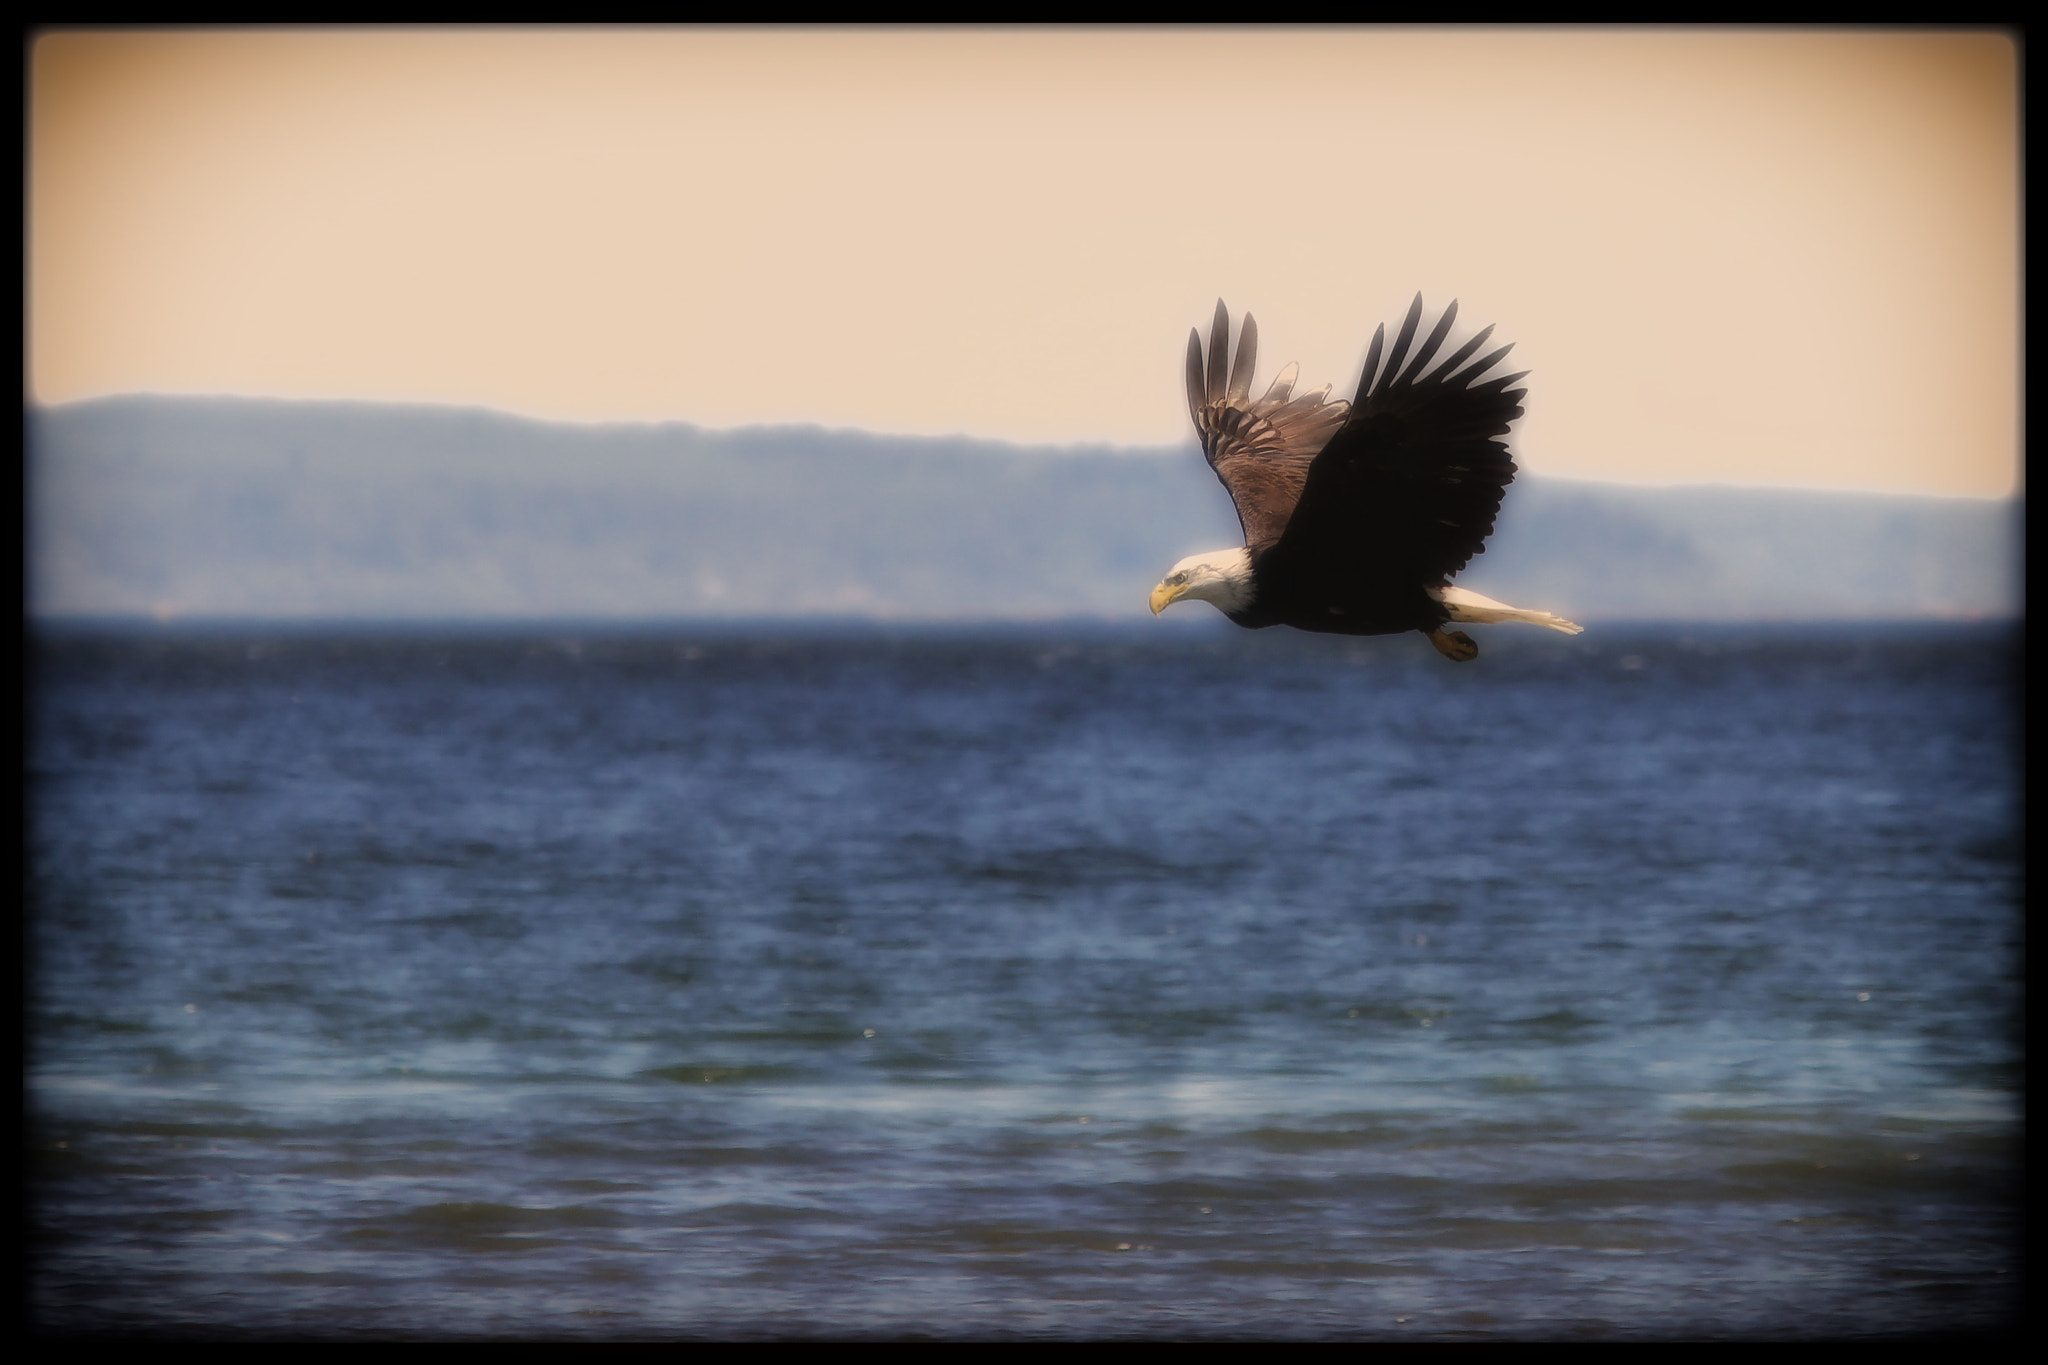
1178	579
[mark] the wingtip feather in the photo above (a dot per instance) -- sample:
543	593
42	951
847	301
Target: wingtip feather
1240	387
1372	360
1406	335
1432	344
1219	351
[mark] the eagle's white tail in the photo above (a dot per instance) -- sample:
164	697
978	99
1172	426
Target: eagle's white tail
1467	605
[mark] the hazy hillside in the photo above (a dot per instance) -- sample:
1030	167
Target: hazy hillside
224	507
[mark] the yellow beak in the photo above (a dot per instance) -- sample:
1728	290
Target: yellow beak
1163	597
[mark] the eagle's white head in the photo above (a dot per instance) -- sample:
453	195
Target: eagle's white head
1220	576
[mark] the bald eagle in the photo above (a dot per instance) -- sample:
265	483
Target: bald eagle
1356	515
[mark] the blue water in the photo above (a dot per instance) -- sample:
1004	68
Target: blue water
1060	982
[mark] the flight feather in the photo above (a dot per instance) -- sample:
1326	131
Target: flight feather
1260	448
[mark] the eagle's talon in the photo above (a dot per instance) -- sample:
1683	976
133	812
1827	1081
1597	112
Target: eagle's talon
1454	645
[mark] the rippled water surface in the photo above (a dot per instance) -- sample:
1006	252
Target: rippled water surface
1044	983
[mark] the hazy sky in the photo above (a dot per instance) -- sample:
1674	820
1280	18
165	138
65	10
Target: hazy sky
1761	257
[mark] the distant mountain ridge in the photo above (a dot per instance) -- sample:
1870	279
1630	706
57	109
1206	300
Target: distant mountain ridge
219	507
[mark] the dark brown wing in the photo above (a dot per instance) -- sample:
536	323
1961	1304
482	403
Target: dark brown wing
1261	449
1406	492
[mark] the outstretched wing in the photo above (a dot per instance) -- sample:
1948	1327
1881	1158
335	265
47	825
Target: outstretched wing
1407	490
1261	449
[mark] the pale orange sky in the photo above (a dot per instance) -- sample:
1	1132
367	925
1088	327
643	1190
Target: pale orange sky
1757	257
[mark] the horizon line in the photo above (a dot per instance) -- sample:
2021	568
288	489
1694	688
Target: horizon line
1079	445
